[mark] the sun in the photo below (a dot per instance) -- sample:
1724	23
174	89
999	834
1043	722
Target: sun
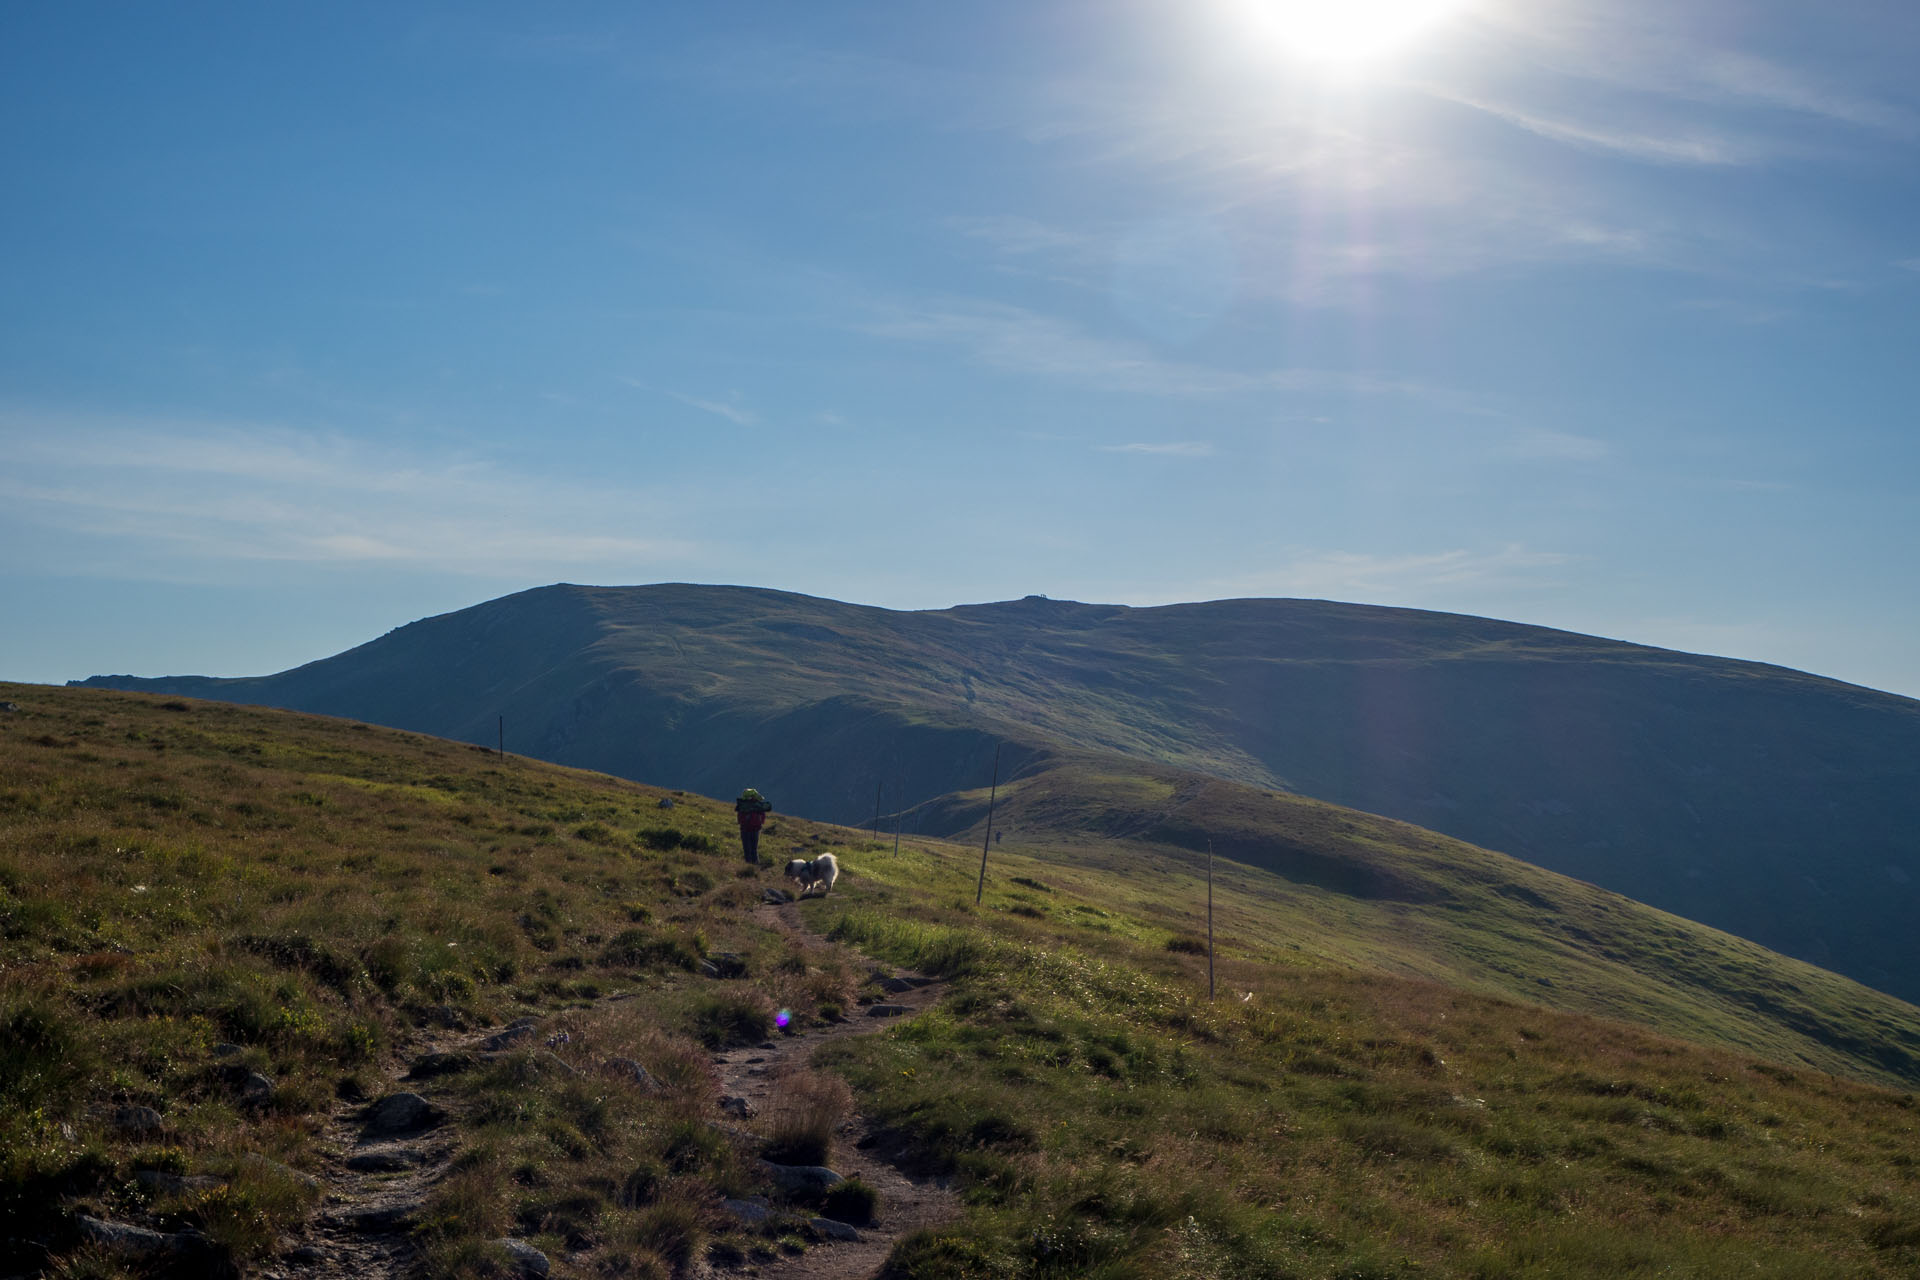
1347	33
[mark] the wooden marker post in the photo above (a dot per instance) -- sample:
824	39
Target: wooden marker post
1209	919
986	841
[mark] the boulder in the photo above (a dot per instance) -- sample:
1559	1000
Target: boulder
887	1010
831	1230
138	1120
527	1260
400	1113
506	1039
801	1179
124	1237
751	1212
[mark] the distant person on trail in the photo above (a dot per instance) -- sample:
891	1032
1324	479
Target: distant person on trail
752	810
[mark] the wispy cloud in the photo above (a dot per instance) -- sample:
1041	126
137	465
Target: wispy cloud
180	492
730	409
1654	147
1019	340
1171	449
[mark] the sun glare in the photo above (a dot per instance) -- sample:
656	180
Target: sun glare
1346	33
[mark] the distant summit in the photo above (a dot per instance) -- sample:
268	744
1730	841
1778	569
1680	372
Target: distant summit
1771	803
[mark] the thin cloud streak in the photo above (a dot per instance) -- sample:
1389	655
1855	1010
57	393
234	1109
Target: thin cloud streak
1173	449
275	495
1652	148
1017	340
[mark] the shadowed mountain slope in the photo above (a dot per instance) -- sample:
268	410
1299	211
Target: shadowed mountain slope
1770	803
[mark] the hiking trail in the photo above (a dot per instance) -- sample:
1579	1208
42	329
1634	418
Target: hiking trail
384	1158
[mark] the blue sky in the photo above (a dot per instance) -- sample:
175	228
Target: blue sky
1596	314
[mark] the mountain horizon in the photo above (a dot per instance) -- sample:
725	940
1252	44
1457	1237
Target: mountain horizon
1768	802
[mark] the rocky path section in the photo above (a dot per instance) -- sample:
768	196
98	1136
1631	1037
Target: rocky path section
384	1157
907	1203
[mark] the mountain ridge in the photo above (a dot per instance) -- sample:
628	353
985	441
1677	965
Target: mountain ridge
1772	803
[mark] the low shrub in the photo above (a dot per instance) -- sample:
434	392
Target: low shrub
852	1202
730	1020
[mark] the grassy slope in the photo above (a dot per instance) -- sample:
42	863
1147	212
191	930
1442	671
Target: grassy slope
176	874
1298	877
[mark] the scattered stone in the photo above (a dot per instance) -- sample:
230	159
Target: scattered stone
138	1120
887	1010
227	1050
666	802
256	1090
8	708
724	964
400	1113
898	986
766	1044
443	1015
801	1179
376	1218
386	1160
124	1237
737	1107
511	1036
834	1230
161	1182
529	1260
628	1069
777	897
431	1065
751	1061
306	1255
1545	982
752	1211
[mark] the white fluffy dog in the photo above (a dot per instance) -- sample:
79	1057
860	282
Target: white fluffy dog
818	874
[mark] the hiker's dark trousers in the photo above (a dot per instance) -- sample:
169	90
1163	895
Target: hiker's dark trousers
750	843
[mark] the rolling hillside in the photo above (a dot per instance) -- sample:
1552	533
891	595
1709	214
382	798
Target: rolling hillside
226	931
1769	803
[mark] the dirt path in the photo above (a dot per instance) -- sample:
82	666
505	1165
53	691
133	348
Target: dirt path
907	1203
379	1176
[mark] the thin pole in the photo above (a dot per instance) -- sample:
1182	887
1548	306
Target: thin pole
503	737
1209	918
876	810
899	816
986	841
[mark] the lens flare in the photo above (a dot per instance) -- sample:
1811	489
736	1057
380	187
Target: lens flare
782	1018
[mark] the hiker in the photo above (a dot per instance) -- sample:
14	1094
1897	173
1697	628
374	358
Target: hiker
752	810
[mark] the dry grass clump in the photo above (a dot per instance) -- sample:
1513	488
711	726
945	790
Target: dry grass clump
806	1109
